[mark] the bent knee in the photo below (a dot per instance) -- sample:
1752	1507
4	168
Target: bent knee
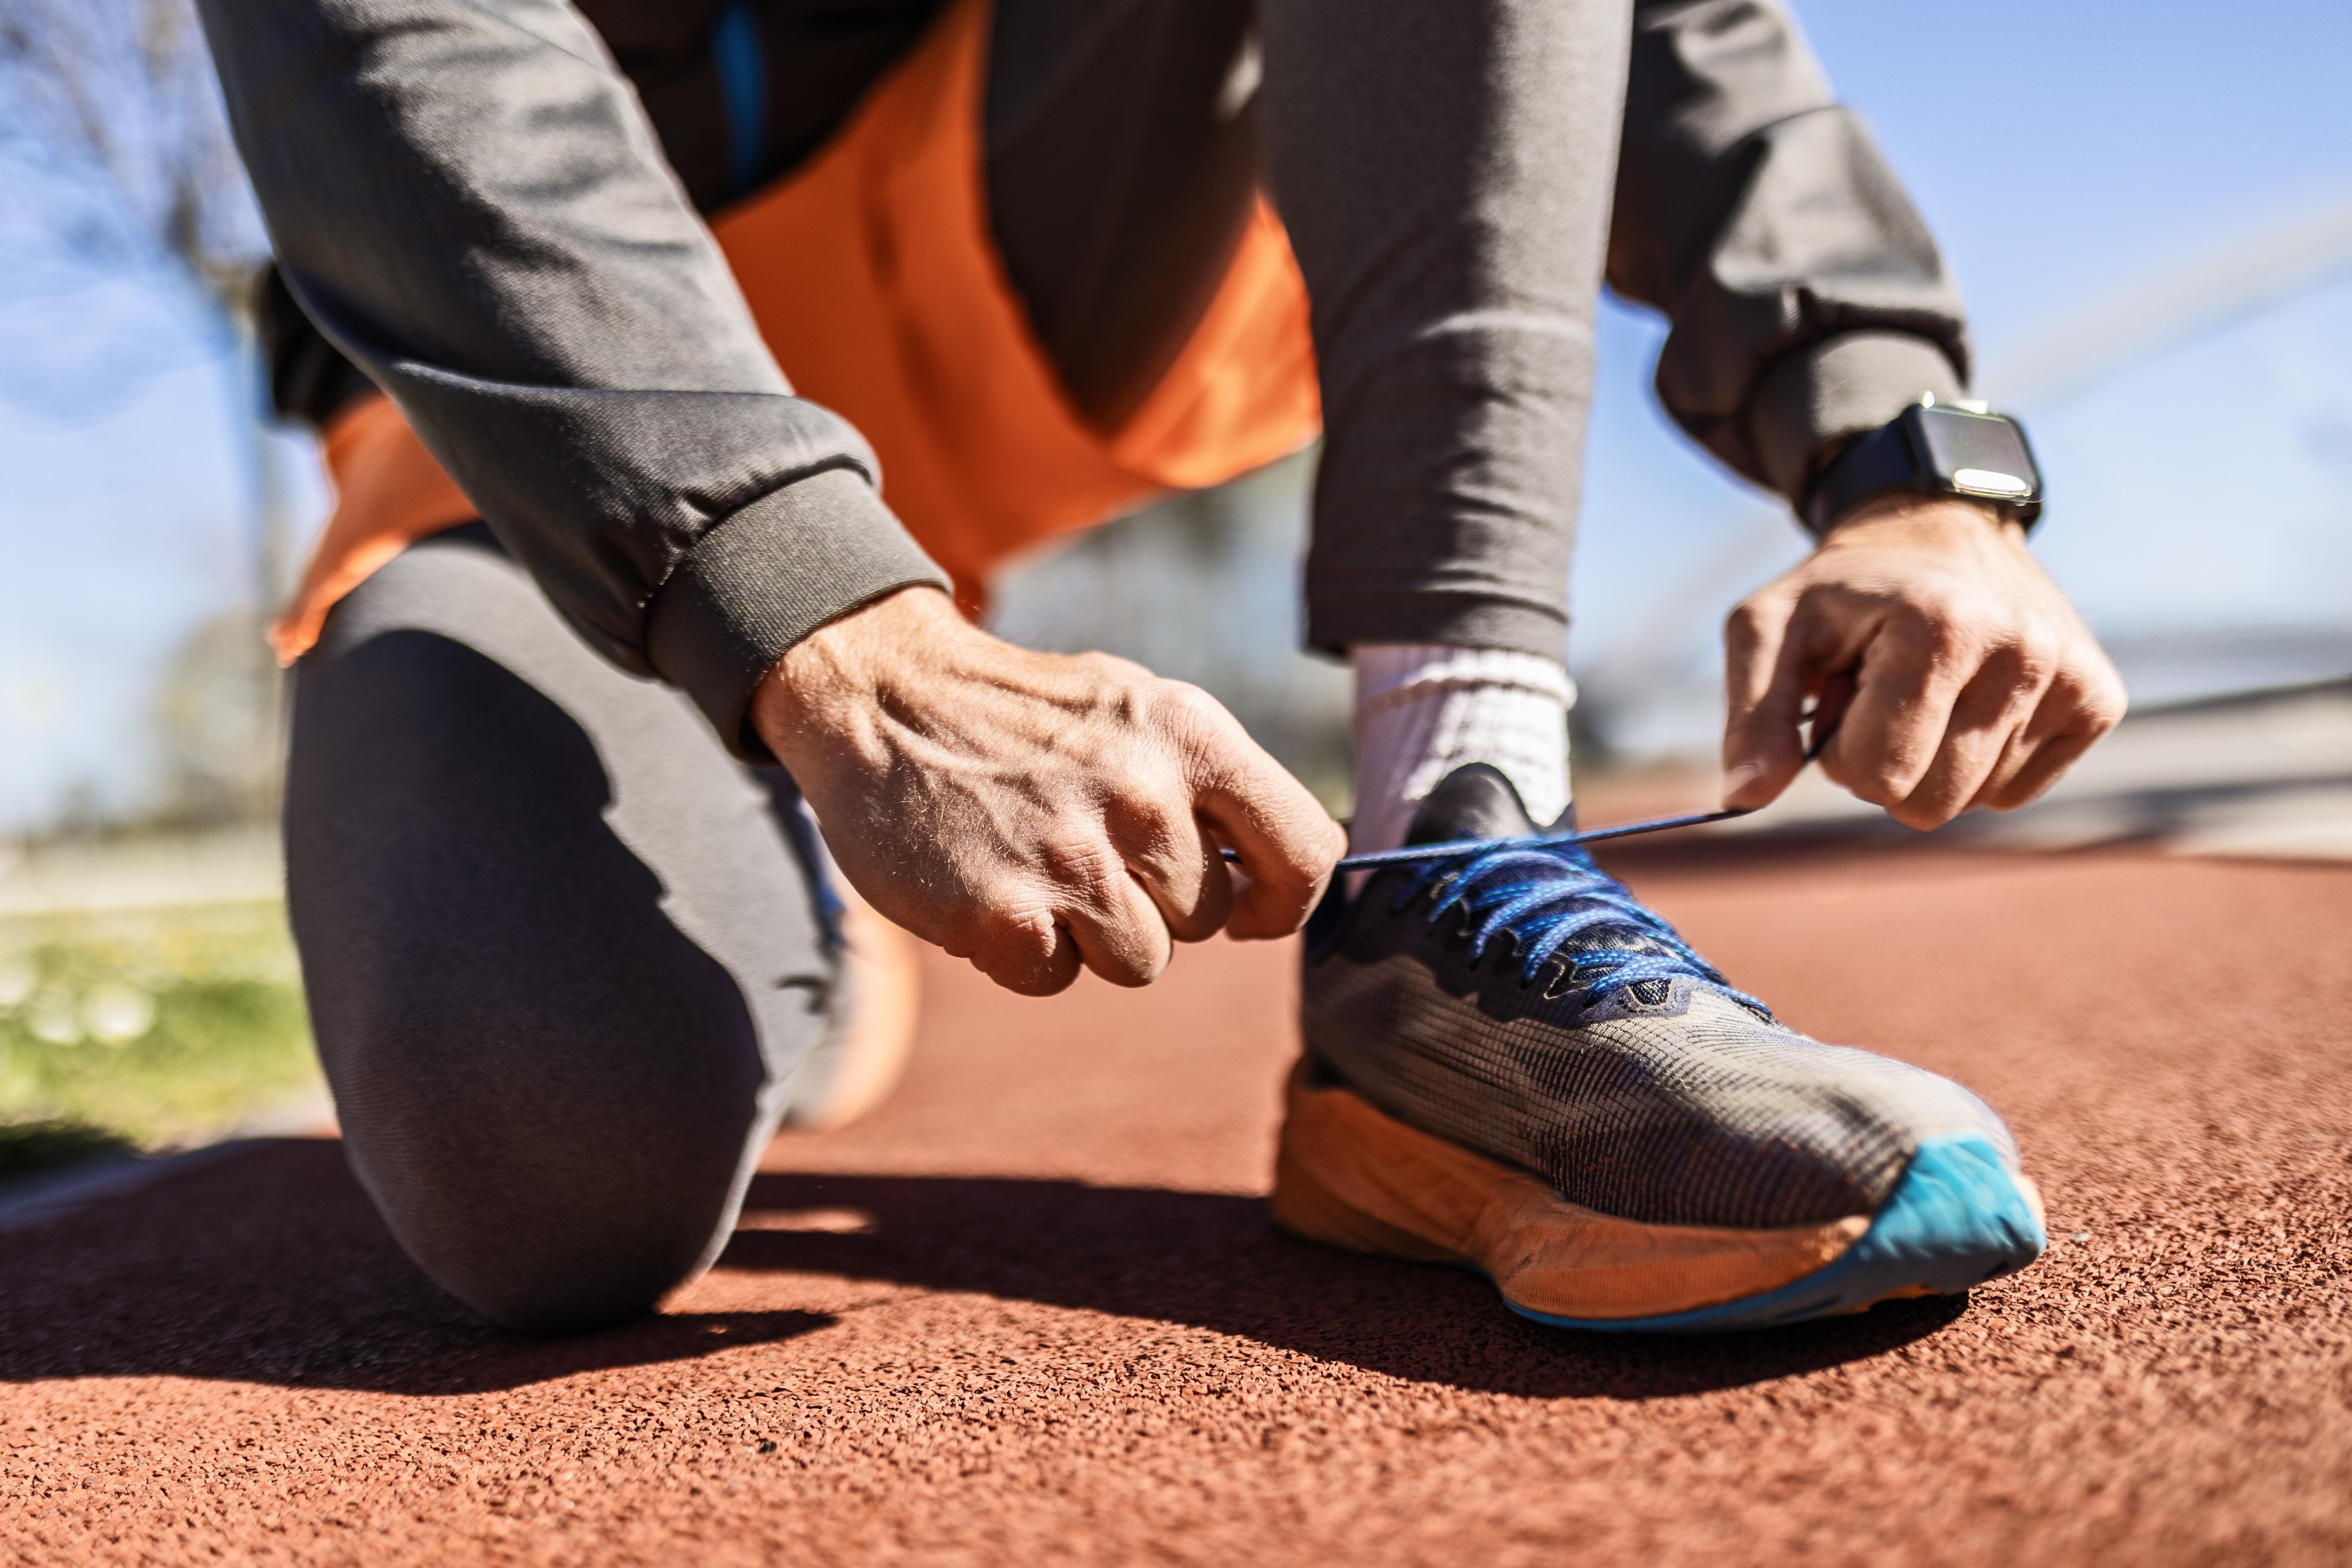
545	1212
564	1295
546	1266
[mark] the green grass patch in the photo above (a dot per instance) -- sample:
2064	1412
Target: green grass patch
144	1029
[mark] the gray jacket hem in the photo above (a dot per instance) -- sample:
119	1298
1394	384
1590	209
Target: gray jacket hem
767	577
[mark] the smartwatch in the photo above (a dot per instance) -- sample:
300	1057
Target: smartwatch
1933	449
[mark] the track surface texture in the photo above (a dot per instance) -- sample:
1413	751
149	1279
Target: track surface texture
1032	1311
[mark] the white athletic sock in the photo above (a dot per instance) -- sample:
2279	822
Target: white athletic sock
1422	711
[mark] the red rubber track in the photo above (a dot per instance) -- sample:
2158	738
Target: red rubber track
1031	1313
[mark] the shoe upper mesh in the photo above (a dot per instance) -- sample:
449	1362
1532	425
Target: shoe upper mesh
1690	1110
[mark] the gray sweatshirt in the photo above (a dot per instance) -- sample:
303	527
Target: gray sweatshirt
472	203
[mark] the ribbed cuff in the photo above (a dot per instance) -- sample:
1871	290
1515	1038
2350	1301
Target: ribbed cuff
765	578
1837	388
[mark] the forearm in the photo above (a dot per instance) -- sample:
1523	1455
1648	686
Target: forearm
1808	300
467	200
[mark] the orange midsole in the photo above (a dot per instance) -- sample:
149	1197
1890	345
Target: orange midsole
1351	1177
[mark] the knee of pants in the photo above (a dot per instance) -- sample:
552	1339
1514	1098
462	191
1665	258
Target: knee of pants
557	1150
545	1083
549	1222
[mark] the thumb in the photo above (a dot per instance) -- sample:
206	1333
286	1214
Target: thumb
1764	690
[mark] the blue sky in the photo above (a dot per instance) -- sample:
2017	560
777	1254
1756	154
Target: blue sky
2062	152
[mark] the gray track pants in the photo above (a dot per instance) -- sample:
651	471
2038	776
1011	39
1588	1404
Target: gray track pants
562	950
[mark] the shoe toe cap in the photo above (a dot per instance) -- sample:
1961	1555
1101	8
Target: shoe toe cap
1731	1121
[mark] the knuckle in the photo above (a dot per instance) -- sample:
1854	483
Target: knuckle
2107	703
1078	860
1023	953
1752	619
2037	656
1873	785
1946	637
1187	715
2023	679
1151	825
1182	699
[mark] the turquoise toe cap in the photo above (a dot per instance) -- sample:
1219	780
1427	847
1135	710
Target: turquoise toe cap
1957	1218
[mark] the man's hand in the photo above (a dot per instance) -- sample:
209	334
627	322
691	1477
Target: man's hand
1974	682
1034	812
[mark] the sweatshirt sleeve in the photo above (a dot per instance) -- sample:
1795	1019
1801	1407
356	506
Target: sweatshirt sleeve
1807	302
466	198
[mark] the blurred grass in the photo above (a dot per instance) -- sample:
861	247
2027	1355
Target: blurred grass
144	1029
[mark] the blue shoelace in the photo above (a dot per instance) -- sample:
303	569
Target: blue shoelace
1543	899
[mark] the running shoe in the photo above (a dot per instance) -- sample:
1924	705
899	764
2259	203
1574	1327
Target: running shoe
1512	1065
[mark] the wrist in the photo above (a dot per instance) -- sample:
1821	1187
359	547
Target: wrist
823	682
1922	533
1903	513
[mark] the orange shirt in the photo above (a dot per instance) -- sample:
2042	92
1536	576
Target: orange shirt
871	272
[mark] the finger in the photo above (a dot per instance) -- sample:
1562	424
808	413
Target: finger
1994	706
2079	707
1287	844
1025	950
1119	932
2016	755
1909	678
1764	686
1176	860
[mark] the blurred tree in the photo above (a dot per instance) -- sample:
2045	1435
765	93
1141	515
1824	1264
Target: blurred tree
124	89
117	170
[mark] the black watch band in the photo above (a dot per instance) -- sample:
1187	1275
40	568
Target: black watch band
1932	449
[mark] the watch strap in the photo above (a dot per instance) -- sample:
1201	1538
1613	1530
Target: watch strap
1870	465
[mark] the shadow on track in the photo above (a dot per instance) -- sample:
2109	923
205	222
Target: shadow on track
271	1266
1214	1260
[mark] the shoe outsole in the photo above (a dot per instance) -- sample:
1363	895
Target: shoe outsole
1957	1218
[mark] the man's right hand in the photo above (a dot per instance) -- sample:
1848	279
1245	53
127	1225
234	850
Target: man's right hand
1034	812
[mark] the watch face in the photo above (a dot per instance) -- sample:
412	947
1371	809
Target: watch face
1976	454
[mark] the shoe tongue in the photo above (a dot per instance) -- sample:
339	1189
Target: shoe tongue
1473	801
1477	801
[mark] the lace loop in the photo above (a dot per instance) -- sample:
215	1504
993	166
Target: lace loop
1543	897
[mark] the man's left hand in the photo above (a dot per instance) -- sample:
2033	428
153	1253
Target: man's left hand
1974	682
